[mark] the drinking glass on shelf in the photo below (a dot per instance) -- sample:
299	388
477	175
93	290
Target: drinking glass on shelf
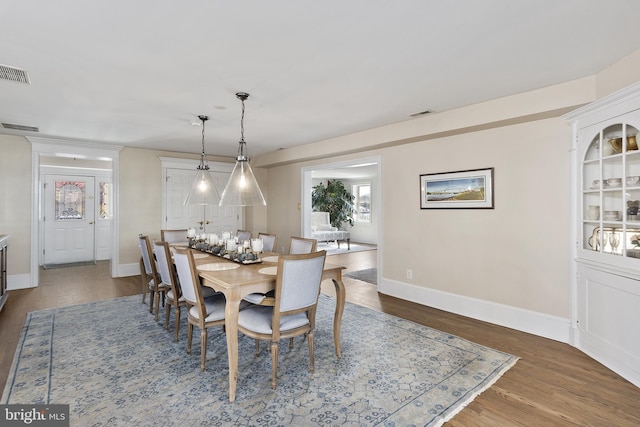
614	241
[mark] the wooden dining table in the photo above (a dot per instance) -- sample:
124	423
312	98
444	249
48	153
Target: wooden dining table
236	283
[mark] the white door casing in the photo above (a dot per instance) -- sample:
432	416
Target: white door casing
69	220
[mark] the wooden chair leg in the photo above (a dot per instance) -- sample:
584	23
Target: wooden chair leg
257	348
291	343
157	307
311	361
145	286
274	364
178	312
203	348
166	320
151	297
189	337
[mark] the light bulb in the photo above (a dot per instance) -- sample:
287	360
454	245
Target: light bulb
243	181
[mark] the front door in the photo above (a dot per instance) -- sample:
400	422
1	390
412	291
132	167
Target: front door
69	210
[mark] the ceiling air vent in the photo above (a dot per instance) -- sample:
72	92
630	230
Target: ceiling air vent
14	74
20	127
420	113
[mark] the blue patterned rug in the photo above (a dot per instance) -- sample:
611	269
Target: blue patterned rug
115	366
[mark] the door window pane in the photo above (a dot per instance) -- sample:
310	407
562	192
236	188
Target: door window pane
69	200
105	200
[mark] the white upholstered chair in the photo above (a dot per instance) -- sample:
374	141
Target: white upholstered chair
169	278
174	236
243	235
203	312
268	241
150	279
296	298
301	245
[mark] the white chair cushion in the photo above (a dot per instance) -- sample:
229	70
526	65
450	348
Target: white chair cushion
214	306
170	296
325	228
255	298
258	319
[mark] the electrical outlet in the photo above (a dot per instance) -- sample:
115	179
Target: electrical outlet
409	274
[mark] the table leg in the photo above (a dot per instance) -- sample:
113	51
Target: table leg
231	325
341	295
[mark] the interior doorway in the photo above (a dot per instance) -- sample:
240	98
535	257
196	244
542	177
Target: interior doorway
95	165
353	173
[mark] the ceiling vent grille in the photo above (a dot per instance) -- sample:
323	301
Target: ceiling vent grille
420	113
14	74
20	127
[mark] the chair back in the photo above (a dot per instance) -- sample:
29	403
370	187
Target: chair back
147	258
188	277
243	235
300	245
298	281
174	236
165	267
268	241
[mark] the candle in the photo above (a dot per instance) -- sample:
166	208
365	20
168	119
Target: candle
256	245
226	235
191	233
231	245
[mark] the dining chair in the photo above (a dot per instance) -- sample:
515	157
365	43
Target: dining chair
301	245
268	241
150	279
203	312
297	245
174	236
167	274
296	299
243	235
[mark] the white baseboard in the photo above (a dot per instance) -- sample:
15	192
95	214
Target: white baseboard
541	324
19	281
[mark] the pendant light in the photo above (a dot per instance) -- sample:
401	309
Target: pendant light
203	190
242	188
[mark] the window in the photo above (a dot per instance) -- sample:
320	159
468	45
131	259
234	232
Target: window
69	200
105	200
362	193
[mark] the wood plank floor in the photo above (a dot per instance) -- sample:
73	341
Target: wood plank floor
553	384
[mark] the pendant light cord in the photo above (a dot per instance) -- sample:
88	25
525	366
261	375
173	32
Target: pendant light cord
202	156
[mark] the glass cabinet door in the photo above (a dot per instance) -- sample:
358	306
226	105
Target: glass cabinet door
611	192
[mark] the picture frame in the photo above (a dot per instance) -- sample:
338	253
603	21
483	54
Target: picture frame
468	189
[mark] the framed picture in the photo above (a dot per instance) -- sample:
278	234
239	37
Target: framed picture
470	189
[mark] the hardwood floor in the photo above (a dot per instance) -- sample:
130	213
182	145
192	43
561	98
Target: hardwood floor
553	384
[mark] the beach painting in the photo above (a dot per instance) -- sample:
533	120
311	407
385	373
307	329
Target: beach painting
470	189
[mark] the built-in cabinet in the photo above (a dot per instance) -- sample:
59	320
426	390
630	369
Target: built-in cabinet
606	290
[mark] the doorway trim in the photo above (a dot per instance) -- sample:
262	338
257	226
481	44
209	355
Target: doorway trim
87	150
307	188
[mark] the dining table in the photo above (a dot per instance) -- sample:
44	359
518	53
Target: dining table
236	280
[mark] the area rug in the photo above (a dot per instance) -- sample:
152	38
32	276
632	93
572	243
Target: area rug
114	365
332	248
369	275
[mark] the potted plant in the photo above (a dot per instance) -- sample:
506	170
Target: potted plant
336	200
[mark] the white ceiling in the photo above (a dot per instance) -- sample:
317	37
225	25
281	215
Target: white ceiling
138	73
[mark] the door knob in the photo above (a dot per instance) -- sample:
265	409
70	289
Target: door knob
90	222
